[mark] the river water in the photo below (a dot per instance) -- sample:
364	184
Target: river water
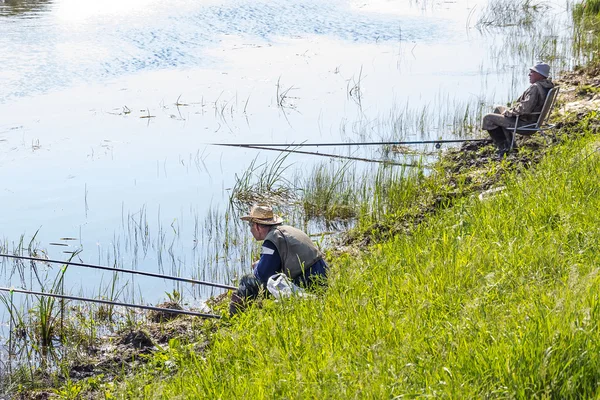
107	109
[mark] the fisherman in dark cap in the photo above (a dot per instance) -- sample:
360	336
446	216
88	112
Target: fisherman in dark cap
284	250
531	101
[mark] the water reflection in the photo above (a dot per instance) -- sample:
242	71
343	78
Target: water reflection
23	8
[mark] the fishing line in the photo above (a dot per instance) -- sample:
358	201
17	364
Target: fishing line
129	271
322	155
114	303
440	141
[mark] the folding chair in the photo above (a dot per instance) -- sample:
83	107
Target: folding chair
540	125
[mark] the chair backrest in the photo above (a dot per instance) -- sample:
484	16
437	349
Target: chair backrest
548	104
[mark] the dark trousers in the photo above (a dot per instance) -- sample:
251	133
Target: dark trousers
501	137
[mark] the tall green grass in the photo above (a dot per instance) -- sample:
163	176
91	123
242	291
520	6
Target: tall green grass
391	193
493	299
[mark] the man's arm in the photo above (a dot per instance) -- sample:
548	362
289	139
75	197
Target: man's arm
269	263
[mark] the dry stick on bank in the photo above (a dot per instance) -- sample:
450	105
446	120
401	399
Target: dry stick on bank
113	303
129	271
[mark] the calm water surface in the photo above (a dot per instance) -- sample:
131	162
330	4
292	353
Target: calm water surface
107	108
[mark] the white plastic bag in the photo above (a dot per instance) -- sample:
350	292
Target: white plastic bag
280	286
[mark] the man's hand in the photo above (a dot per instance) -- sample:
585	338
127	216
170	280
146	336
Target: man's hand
254	265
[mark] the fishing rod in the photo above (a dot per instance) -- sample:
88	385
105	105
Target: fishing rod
113	303
440	141
129	271
312	153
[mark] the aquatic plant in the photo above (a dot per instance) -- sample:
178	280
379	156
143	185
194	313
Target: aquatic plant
262	183
329	191
506	13
586	31
283	96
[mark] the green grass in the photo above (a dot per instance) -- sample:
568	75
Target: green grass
494	299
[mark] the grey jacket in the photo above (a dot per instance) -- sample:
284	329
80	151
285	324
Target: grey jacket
298	253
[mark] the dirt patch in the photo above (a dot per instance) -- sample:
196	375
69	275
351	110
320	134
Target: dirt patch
579	90
138	340
580	76
163	316
37	395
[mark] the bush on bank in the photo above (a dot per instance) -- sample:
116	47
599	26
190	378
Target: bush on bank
495	298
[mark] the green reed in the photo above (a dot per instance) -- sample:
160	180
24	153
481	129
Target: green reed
586	31
505	13
329	191
261	183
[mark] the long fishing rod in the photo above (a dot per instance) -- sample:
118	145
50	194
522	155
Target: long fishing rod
312	153
129	271
440	141
113	303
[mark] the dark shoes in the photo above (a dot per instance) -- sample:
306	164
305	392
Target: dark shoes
250	288
237	304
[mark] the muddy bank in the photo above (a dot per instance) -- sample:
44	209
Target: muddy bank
114	357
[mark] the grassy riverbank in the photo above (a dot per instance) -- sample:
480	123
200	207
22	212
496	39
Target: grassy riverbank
492	298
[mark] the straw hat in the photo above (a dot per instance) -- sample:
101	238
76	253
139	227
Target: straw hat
542	69
262	214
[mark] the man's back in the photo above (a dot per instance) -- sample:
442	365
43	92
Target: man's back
531	101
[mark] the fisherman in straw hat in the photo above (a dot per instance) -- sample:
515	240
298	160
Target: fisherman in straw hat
284	250
532	100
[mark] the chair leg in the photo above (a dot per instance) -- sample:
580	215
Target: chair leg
546	139
513	135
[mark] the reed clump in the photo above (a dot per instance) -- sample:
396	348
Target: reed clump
262	183
511	13
329	192
586	32
588	8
